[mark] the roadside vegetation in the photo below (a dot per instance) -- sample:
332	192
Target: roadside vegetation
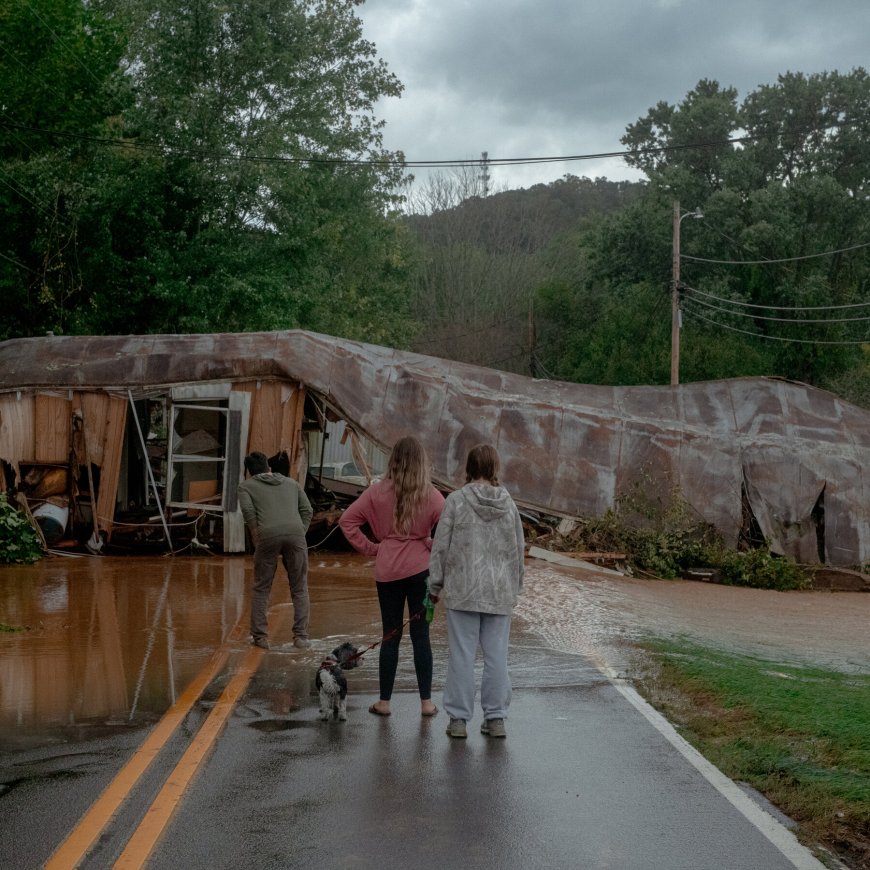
19	542
800	736
667	539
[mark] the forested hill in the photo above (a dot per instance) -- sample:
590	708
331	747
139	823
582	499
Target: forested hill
575	280
526	219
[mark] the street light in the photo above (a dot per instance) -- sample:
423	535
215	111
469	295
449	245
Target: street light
675	291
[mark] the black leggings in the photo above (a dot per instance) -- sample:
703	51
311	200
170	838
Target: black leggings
392	595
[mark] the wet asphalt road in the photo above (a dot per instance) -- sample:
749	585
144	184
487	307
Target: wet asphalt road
583	780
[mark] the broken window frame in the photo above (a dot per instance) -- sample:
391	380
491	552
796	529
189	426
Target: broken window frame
229	435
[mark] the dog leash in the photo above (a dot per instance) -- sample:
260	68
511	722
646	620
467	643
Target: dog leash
428	608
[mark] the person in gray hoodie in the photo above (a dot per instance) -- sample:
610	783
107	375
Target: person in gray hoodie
277	513
477	567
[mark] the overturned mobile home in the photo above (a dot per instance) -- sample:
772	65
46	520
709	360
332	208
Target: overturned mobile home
161	424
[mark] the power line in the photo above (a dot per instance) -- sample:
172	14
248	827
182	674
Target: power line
375	161
497	362
18	263
548	375
752	316
775	307
698	316
16	188
780	260
60	41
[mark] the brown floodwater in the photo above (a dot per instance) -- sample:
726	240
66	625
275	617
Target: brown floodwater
105	641
601	615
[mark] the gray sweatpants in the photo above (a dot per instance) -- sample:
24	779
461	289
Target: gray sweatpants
465	630
294	554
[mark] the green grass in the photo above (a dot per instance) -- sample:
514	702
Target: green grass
801	736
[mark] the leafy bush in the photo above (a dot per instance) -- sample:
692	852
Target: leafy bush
665	539
662	539
18	539
763	570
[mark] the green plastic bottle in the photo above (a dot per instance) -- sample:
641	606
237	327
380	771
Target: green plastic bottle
429	604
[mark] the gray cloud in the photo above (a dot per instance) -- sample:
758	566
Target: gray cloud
521	79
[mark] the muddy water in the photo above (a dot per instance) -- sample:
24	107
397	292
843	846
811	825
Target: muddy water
602	615
102	642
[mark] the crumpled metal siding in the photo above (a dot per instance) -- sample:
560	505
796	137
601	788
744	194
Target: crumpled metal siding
567	449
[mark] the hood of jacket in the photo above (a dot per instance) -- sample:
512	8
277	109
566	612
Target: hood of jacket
270	478
487	501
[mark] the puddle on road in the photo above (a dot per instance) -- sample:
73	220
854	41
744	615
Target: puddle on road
106	642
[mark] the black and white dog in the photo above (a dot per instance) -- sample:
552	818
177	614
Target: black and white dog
331	682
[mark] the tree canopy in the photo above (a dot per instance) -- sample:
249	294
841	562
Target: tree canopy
187	168
773	279
204	167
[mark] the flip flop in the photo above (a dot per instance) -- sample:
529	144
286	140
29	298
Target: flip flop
434	712
377	712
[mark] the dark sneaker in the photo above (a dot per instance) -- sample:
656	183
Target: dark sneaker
301	642
260	642
493	728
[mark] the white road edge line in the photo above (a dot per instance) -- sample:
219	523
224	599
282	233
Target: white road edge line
777	833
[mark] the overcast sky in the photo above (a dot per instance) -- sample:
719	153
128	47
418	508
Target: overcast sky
541	78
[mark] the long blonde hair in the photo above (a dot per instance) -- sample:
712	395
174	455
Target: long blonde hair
408	468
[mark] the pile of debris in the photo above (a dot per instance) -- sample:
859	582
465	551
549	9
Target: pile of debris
569	537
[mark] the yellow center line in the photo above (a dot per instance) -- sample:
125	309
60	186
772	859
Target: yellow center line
74	848
145	837
82	837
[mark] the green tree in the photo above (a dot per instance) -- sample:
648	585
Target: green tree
222	174
774	275
59	64
686	146
259	222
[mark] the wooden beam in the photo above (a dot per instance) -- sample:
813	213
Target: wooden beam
115	417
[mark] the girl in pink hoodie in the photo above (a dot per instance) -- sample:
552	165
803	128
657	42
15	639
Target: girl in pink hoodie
401	511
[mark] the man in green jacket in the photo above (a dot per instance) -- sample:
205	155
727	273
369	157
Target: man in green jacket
277	512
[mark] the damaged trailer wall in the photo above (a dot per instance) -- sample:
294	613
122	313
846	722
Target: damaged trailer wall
797	454
39	429
49	437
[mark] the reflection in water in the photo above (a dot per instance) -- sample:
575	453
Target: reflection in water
115	640
112	640
109	638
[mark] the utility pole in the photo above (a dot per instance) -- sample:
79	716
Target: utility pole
675	298
676	313
533	367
